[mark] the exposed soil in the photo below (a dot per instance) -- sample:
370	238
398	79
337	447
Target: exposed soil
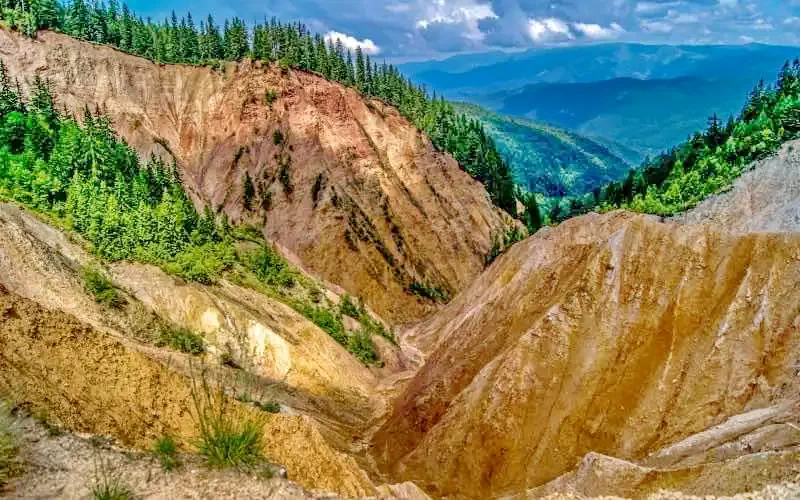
390	210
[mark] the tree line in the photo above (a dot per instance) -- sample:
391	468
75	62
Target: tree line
706	163
292	45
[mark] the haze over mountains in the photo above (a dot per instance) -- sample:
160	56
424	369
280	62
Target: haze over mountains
647	97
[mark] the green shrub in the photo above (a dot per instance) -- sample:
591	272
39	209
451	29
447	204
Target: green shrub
327	320
182	340
428	292
361	346
166	451
271	407
277	137
204	264
348	308
270	96
101	288
226	440
270	267
9	444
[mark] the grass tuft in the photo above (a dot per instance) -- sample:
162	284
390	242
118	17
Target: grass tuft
166	450
182	340
227	439
108	485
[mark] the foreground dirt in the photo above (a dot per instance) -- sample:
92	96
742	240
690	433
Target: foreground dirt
87	381
387	209
615	334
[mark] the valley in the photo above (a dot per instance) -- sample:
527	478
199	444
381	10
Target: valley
247	278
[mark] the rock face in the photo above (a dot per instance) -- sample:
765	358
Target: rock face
766	198
615	334
346	185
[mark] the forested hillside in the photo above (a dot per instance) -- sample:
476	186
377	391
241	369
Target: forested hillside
291	45
707	163
549	160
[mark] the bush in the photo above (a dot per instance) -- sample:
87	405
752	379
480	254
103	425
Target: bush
226	440
270	267
271	407
204	264
428	292
348	308
360	344
182	340
101	288
9	446
166	450
270	96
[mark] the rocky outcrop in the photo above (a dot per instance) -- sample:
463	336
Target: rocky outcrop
345	184
615	334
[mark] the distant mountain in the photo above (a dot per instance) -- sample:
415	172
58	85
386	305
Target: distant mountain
647	97
472	74
646	115
552	161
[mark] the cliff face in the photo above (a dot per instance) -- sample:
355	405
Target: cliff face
615	334
347	186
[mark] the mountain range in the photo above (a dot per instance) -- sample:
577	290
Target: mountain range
647	97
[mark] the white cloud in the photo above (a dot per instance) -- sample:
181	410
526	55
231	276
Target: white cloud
792	20
656	26
728	4
461	12
351	42
762	25
654	7
549	29
597	32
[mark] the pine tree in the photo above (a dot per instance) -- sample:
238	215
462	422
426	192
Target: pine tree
361	73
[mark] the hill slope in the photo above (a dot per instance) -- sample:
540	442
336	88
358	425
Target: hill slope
348	186
614	334
648	115
548	160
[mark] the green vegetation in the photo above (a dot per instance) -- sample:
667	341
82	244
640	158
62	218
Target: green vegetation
182	340
9	445
270	407
270	96
426	291
248	191
548	160
97	283
166	451
108	484
707	163
502	242
88	181
227	439
291	45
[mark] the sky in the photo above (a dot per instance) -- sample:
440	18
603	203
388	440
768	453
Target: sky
402	30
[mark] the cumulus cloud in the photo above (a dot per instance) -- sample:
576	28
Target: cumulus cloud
656	27
597	32
351	42
549	29
466	13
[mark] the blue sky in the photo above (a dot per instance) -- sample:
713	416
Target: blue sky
421	29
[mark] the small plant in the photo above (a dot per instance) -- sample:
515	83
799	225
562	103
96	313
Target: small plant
284	175
271	407
316	189
98	284
428	292
360	344
348	308
166	450
226	440
182	340
270	96
108	485
9	445
277	137
248	191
